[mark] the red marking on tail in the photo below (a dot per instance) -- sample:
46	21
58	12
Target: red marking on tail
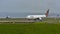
47	13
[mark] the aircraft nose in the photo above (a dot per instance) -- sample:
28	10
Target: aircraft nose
28	16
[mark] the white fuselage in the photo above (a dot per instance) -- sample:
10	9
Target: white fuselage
35	16
38	16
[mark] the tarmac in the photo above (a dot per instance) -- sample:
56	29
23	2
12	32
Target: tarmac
17	21
20	20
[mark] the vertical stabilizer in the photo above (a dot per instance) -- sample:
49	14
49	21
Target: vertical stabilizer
47	13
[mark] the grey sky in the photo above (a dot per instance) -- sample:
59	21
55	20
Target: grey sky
22	6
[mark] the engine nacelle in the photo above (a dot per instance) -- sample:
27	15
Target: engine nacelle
38	19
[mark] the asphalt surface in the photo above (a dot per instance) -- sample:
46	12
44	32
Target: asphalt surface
48	20
17	21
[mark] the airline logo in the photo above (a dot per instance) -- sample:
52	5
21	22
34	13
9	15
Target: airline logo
47	13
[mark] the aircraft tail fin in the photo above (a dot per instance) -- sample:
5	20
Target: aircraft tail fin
47	13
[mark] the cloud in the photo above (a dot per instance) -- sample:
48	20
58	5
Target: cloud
27	5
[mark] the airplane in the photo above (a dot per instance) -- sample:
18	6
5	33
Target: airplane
38	17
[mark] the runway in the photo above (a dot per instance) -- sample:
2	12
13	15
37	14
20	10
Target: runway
17	21
23	20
